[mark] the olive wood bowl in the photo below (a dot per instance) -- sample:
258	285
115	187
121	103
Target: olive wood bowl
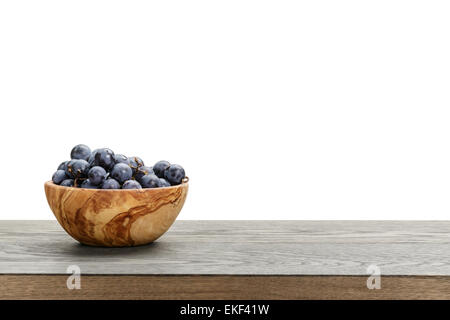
115	218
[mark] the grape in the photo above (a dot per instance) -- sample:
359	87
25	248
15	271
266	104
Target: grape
63	165
150	181
135	162
174	174
77	169
80	151
163	182
131	184
121	172
110	183
92	157
96	175
104	158
88	185
120	158
142	171
59	176
102	168
67	183
160	167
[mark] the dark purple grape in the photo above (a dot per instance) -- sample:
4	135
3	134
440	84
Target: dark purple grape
160	167
142	171
135	163
86	184
120	158
131	184
80	151
174	174
110	183
59	176
104	158
163	182
92	157
150	181
77	169
63	165
67	183
121	172
96	175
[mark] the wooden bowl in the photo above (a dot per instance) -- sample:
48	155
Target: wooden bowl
115	218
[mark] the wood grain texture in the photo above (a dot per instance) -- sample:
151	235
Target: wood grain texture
115	218
223	287
415	248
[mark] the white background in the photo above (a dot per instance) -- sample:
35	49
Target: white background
276	109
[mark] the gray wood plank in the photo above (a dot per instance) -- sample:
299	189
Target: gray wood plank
238	248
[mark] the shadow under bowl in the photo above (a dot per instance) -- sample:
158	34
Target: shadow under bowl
115	218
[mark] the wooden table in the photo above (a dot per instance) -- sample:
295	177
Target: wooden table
233	260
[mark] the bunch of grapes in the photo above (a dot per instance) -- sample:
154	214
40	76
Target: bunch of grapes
103	169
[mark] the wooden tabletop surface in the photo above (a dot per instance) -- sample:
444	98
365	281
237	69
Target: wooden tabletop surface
238	247
418	249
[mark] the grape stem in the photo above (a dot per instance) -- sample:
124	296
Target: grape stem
76	176
139	165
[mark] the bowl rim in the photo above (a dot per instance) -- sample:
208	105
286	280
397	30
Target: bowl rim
52	184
